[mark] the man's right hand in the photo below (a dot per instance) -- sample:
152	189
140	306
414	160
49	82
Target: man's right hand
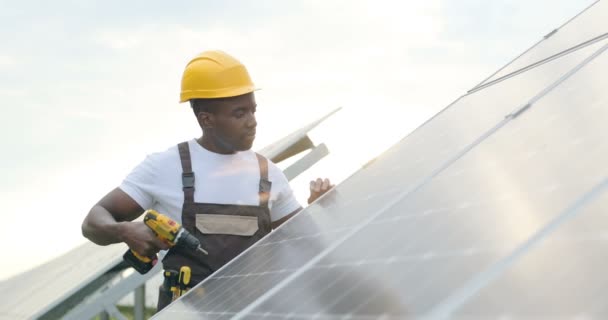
141	239
110	221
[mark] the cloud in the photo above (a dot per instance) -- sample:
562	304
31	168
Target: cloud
7	62
314	46
118	41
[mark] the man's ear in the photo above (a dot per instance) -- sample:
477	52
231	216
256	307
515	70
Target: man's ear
206	120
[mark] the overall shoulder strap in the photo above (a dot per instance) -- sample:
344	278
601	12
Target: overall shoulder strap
187	174
265	184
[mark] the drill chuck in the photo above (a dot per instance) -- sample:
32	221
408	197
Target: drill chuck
187	240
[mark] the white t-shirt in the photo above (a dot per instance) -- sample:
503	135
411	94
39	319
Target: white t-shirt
156	183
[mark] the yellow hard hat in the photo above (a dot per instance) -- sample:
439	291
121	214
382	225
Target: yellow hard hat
214	74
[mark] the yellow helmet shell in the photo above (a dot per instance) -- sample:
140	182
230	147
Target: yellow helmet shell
214	74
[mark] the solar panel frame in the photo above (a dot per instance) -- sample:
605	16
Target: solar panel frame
516	66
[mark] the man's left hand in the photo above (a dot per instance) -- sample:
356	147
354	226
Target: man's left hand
318	188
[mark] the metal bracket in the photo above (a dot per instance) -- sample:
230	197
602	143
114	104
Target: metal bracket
111	296
314	156
550	33
518	112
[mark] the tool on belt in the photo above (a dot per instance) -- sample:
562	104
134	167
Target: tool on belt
178	282
183	281
167	230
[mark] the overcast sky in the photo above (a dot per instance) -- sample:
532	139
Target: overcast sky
88	88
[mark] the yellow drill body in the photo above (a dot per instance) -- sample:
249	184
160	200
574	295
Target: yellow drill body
167	230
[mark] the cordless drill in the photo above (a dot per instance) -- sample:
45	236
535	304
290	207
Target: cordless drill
166	230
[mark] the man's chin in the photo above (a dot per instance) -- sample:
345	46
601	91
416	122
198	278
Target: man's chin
245	147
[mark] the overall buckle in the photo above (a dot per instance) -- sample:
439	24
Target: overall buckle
188	180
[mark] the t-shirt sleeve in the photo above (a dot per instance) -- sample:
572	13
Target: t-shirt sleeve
139	183
285	201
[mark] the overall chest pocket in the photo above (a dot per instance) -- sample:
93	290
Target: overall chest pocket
227	224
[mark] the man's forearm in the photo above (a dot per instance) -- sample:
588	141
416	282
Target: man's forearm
101	228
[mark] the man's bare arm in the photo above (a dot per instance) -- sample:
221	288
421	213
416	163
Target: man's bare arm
109	222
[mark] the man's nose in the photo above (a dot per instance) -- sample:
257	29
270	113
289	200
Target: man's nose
251	122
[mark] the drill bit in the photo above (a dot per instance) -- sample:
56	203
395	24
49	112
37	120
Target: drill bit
199	248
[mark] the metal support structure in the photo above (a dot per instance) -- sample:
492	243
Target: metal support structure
114	312
139	305
317	153
108	298
73	300
104	316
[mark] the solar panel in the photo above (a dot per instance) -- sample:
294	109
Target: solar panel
585	28
562	276
36	292
564	273
422	221
427	245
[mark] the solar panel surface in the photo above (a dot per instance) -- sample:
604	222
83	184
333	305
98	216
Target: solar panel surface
413	228
563	275
427	245
33	293
581	30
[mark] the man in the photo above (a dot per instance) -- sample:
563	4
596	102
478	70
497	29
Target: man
215	186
